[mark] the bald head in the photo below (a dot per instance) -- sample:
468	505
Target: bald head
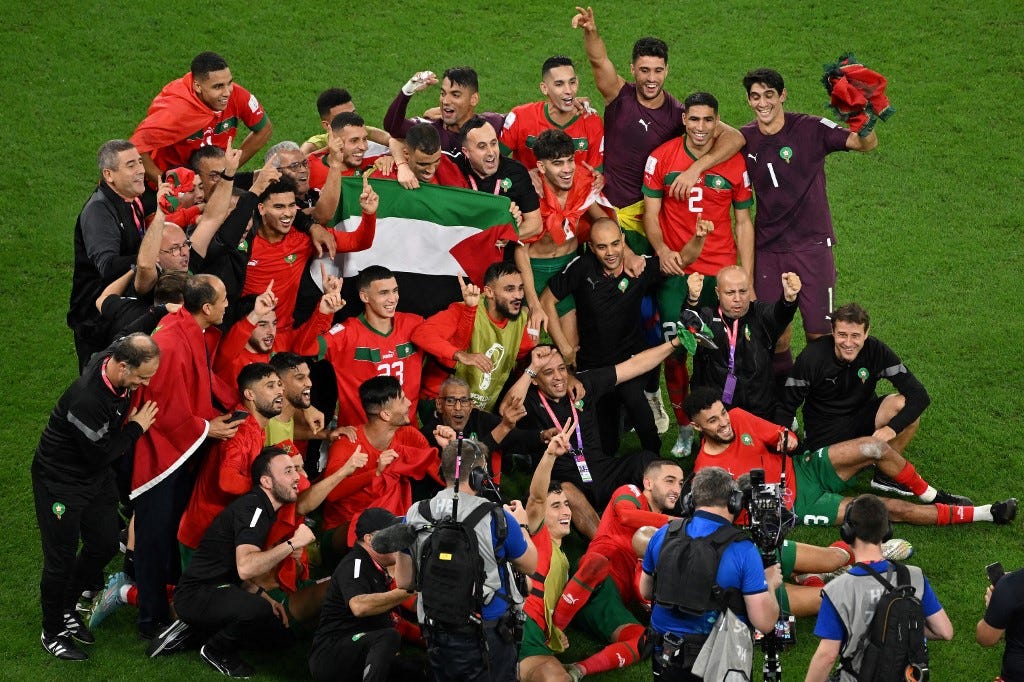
174	249
734	292
607	244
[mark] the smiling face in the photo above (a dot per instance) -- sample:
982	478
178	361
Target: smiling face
278	213
293	165
766	103
381	297
663	487
700	121
558	515
458	103
649	74
714	424
559	173
133	377
128	177
283	479
849	338
553	378
482	151
560	87
354	143
423	165
608	244
215	89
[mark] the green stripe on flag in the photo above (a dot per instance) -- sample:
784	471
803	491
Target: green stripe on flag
451	206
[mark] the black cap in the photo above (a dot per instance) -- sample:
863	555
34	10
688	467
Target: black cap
374	519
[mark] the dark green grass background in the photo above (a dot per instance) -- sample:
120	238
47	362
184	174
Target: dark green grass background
929	224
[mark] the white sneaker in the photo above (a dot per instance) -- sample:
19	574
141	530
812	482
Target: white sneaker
684	442
661	421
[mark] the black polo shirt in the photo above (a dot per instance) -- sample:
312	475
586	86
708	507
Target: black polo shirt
356	574
511	180
246	521
611	328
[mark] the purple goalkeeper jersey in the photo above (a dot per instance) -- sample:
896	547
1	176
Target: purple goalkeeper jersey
397	125
787	171
631	133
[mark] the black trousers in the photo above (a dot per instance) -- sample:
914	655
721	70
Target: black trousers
157	559
365	656
629	395
233	618
465	656
69	511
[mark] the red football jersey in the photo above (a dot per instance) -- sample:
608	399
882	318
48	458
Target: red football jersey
723	187
358	352
627	511
524	123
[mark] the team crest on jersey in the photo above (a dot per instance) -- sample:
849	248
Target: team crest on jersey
786	153
58	509
746	439
581	144
862	373
623	284
506	184
290	258
746	332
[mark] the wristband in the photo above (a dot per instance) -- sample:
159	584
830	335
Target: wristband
259	590
524	527
225	176
530	373
289	543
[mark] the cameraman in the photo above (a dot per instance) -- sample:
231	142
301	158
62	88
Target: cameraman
740	572
1004	614
842	625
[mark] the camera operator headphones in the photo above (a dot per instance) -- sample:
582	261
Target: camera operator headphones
478	475
734	505
848	531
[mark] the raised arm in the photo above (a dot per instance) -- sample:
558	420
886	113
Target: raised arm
536	505
606	78
644	362
219	204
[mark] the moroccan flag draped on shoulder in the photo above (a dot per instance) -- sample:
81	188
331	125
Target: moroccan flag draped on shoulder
427	237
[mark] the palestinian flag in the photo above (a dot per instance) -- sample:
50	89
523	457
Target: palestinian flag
427	237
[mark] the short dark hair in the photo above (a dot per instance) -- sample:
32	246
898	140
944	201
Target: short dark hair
649	46
701	99
553	144
378	391
208	151
135	350
495	271
106	156
253	373
655	465
206	62
261	465
464	76
473	453
345	119
371	274
853	313
287	362
554	487
700	399
423	137
554	63
712	487
245	305
769	77
330	98
282	185
198	291
469	126
169	287
868	518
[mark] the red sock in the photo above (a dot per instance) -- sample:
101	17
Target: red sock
908	477
133	596
592	571
623	652
846	548
677	379
953	514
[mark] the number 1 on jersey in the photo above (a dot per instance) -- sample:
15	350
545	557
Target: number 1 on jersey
771	170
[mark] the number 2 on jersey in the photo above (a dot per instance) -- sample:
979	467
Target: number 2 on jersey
696	194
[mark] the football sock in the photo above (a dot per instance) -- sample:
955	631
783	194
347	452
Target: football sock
908	476
982	513
623	652
592	571
949	514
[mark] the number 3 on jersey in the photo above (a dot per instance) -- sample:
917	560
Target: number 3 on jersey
393	369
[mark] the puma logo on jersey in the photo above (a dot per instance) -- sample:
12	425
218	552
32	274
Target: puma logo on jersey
569	599
252	263
621	659
752	157
644	123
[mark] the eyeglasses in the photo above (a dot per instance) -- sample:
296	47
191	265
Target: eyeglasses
463	402
294	167
178	249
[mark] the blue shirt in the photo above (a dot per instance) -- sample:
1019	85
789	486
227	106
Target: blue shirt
740	568
830	626
513	547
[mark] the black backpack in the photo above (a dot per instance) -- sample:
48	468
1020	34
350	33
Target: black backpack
895	639
695	590
451	569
